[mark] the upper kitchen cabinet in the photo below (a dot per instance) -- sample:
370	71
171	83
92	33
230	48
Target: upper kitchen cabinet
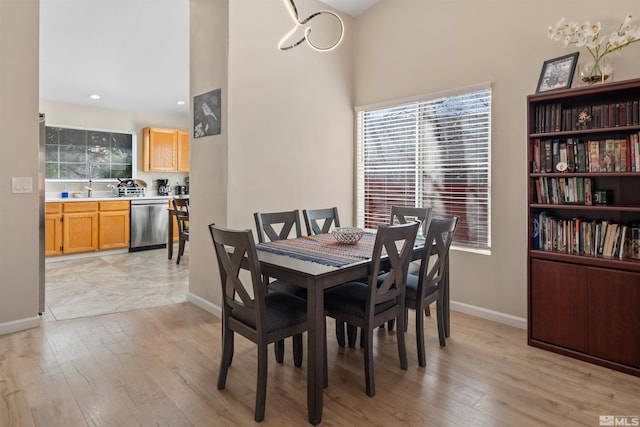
165	150
183	151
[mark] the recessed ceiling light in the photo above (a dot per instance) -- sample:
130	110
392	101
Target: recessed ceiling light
180	102
94	96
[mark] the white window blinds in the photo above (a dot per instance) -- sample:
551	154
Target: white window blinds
429	153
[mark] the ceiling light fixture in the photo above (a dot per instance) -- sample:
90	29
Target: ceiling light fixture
180	102
94	96
293	12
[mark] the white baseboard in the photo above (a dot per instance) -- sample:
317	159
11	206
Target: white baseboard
204	304
483	313
19	325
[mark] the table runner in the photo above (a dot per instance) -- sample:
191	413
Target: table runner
324	249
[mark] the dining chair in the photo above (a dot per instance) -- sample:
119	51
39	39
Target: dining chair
428	286
181	213
320	221
402	215
264	318
368	305
271	227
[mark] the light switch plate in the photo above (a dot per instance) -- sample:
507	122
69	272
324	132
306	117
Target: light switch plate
21	185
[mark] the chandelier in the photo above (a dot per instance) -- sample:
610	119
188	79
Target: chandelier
285	44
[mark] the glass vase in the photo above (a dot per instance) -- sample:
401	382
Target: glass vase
597	70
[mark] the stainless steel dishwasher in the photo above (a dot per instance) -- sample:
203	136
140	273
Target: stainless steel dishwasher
149	223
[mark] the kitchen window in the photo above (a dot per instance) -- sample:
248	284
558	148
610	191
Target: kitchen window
82	154
431	151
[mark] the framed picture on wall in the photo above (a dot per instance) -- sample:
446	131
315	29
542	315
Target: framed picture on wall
206	114
557	73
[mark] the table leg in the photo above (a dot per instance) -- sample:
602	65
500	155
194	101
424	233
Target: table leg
447	305
315	353
170	235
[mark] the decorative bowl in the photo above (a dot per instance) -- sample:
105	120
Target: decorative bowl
347	235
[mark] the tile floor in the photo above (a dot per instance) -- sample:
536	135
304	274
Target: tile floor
114	283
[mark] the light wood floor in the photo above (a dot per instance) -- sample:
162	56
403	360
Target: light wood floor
158	366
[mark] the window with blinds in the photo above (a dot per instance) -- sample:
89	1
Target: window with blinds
428	153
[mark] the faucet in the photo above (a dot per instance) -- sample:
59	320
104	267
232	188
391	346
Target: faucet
90	187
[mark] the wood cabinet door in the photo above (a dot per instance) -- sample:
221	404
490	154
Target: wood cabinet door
174	223
113	230
183	151
614	319
558	304
53	235
159	150
80	232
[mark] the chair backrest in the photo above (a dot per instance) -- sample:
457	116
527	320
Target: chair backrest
313	217
236	251
397	241
285	221
436	254
402	215
182	219
180	204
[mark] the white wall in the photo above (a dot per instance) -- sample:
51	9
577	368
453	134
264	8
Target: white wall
411	47
287	133
19	146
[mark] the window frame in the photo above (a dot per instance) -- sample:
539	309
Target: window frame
479	247
134	151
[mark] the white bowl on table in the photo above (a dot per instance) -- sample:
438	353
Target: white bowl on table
347	235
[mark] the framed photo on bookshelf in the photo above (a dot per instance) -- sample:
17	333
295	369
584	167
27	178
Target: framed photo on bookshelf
557	73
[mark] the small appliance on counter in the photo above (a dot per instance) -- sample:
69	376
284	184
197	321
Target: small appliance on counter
180	189
186	184
164	189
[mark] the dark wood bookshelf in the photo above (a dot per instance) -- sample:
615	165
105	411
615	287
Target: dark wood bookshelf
585	306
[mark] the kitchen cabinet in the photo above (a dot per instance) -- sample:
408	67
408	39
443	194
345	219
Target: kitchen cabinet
165	150
79	227
76	227
53	229
113	225
183	151
175	223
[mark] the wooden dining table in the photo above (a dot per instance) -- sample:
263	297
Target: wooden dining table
315	278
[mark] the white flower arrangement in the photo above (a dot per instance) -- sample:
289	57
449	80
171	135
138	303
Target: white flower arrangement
588	35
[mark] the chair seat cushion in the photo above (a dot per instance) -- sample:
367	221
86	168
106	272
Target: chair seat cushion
287	288
282	311
350	299
411	294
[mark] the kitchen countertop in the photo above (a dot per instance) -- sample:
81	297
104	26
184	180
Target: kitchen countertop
105	196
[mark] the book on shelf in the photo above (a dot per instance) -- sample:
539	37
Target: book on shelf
588	200
578	236
594	156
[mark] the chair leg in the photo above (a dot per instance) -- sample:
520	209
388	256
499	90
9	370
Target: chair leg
440	317
352	335
362	338
390	324
225	358
402	347
406	319
427	311
422	360
261	387
180	250
297	350
278	348
340	332
368	361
